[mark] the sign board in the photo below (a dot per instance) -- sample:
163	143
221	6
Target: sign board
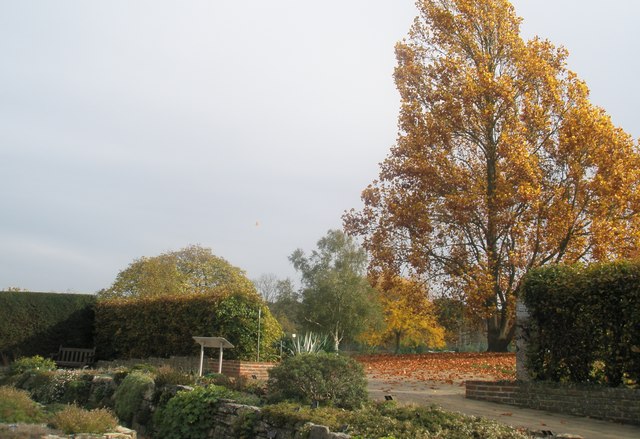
213	342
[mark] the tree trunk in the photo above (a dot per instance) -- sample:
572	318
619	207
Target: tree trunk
336	342
398	336
500	330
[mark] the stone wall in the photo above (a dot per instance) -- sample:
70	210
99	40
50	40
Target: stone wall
229	416
120	433
612	404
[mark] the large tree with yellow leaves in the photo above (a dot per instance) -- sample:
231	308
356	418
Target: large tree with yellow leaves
502	163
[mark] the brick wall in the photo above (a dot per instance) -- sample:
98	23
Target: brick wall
613	404
237	368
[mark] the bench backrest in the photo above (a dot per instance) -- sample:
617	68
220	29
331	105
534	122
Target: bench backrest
75	356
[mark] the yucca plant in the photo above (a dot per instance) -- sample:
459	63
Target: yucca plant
310	343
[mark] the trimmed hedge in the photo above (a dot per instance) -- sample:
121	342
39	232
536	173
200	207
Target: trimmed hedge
585	322
164	326
38	323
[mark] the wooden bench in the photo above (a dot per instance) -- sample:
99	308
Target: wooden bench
74	357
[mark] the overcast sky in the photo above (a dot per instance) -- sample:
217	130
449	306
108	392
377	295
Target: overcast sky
130	128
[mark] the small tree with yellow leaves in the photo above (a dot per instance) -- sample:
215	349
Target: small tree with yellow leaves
409	317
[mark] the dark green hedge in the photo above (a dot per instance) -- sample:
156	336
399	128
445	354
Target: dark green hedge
164	326
38	323
585	322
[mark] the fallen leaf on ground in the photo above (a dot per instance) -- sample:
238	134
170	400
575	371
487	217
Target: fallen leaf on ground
442	366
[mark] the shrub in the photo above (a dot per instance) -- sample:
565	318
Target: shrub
250	385
73	419
28	364
17	406
130	393
189	414
48	387
168	382
30	380
144	367
214	378
167	375
327	378
102	390
290	415
78	389
387	420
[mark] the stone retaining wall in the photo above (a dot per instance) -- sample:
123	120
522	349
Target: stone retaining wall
612	404
229	414
120	433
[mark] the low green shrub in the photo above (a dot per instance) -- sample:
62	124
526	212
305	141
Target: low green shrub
17	406
241	384
417	421
167	375
31	380
250	385
245	425
387	420
217	379
291	415
120	374
326	378
73	419
130	393
65	386
77	389
28	364
189	414
102	390
144	367
43	386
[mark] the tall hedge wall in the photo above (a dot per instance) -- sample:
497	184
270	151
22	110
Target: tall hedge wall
164	326
585	322
38	323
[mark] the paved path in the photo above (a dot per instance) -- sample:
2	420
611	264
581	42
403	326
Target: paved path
451	398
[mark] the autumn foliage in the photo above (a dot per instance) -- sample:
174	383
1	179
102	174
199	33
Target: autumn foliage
501	165
408	316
